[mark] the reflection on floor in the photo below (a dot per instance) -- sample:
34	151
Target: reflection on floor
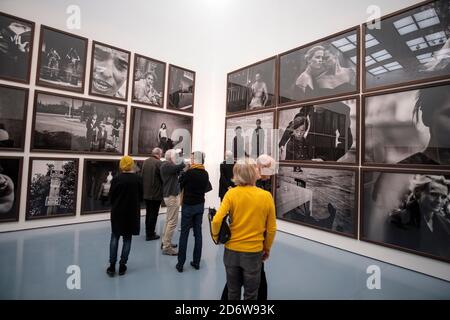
33	266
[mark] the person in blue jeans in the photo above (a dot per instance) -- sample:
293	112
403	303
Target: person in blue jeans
195	183
126	196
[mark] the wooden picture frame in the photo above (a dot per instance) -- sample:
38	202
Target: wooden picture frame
389	196
64	67
156	70
102	83
15	65
11	169
87	123
53	180
303	75
13	129
181	89
245	93
308	211
407	47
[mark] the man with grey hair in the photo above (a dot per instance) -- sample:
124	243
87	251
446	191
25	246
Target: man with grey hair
152	185
170	170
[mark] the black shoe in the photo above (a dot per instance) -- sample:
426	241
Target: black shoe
122	269
152	237
179	268
111	270
196	266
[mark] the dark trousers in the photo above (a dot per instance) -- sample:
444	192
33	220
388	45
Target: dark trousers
262	291
151	216
114	246
242	269
191	217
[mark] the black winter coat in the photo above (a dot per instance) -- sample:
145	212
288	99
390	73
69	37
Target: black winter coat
126	196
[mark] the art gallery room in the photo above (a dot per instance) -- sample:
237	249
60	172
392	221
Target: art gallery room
135	134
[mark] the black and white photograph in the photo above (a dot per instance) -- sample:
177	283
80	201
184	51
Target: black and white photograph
323	198
325	68
407	210
322	132
252	87
13	117
10	181
110	68
62	60
16	48
149	78
408	128
150	129
250	135
52	188
97	177
69	124
181	89
408	47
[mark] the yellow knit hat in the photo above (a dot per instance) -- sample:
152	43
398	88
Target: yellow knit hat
126	163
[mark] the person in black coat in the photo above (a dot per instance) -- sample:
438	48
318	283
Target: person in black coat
126	196
226	174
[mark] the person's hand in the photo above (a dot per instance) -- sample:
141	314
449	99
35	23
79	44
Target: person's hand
265	255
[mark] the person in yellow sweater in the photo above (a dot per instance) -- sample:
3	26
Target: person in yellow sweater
253	228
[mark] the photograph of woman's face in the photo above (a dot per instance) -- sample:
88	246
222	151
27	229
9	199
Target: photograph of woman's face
109	72
316	60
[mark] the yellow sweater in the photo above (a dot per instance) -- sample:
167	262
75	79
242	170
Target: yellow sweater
253	222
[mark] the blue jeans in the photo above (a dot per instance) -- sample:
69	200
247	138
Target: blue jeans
114	245
191	217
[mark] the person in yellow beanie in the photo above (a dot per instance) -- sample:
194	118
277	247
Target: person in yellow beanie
126	196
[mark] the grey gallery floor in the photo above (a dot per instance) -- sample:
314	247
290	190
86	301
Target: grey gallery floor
33	265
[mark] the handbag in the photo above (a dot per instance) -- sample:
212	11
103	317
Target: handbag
224	232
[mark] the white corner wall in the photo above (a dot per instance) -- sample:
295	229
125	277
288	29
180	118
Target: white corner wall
211	37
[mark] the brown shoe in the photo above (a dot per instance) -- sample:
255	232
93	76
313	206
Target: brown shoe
170	252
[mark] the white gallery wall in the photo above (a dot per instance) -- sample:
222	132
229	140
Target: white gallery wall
211	37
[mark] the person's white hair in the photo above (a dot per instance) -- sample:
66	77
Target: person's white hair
266	165
419	182
170	155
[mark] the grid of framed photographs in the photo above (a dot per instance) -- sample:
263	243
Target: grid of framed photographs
67	132
399	108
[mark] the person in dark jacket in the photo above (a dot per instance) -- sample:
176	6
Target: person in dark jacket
226	174
194	183
126	196
153	195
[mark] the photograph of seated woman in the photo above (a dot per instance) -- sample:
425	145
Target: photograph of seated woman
324	75
259	93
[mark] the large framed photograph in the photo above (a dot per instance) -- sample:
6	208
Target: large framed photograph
407	47
149	78
69	124
181	89
13	117
110	68
52	188
252	87
250	135
320	197
322	69
407	210
16	43
408	127
97	177
325	132
151	128
10	183
62	60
